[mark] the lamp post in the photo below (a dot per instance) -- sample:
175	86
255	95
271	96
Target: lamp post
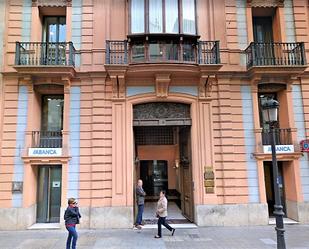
270	115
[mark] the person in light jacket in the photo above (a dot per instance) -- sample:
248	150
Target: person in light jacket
71	217
161	213
140	201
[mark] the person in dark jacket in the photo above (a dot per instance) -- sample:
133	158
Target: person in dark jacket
71	217
140	201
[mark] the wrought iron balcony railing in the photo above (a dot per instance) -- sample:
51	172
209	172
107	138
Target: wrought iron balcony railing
122	52
282	136
276	54
45	54
46	139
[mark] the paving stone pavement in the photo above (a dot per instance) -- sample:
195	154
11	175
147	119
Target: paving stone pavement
253	237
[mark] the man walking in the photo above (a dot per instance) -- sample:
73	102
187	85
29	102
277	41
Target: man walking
140	200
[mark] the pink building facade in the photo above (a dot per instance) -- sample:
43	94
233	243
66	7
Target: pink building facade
98	93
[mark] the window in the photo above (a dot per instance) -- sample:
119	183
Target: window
137	16
188	21
163	16
55	29
172	51
54	49
262	98
138	52
52	112
171	16
189	52
155	51
155	16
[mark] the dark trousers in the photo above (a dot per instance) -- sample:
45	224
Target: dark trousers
72	235
162	221
139	216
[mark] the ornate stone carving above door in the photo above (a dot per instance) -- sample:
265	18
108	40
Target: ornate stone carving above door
265	3
51	3
161	110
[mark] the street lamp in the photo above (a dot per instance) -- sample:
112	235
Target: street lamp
270	116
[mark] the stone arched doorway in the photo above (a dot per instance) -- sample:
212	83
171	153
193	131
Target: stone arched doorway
162	148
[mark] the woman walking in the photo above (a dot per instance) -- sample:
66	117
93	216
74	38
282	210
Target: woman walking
161	213
71	217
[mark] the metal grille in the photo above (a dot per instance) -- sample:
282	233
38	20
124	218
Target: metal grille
154	136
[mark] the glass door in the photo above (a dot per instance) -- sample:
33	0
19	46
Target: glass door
54	36
49	194
52	121
269	186
263	35
154	176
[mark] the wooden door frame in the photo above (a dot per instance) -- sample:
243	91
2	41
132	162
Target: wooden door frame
191	176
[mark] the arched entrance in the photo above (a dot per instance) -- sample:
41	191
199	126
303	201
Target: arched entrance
162	148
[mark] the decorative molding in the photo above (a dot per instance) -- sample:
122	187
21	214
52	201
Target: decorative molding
162	84
265	3
121	87
206	86
26	80
117	75
271	87
48	88
114	86
118	86
51	3
280	157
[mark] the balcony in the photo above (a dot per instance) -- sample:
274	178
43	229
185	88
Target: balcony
45	144
46	139
275	54
46	147
122	52
276	59
45	58
282	136
286	147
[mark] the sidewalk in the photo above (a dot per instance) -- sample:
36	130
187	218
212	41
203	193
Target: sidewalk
297	237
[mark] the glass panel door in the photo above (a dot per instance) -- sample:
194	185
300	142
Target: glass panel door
49	194
55	193
269	186
55	37
154	176
160	180
263	34
52	121
262	29
52	113
42	195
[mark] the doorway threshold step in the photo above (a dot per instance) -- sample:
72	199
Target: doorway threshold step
169	221
286	221
43	226
185	226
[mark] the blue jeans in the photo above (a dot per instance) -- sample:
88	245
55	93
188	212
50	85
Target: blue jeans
139	217
72	234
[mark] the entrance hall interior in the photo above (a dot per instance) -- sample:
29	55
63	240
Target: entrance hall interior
163	162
